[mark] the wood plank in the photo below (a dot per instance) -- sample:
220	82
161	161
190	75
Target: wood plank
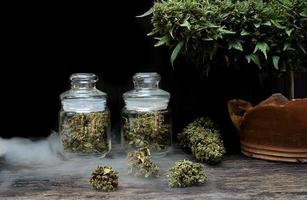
237	177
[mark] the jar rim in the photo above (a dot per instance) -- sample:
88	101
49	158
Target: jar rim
145	75
84	77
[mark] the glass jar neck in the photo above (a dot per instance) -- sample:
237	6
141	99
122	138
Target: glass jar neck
149	80
146	84
82	85
83	81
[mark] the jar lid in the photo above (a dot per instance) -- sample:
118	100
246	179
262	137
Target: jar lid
146	95
83	95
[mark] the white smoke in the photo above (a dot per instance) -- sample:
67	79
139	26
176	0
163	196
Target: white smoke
21	151
40	164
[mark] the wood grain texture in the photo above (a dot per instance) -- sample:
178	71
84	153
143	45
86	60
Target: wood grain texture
237	177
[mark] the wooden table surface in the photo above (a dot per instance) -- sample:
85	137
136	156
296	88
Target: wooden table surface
237	177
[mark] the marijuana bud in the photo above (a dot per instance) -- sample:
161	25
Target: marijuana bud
147	129
185	173
203	138
195	126
104	178
140	164
209	148
85	132
205	122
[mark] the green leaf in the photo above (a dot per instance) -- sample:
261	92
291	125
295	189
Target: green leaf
304	13
213	26
289	31
254	58
275	61
176	52
186	24
263	47
163	40
248	58
236	45
221	30
171	32
244	33
268	23
301	47
207	39
149	12
286	46
152	33
277	24
257	25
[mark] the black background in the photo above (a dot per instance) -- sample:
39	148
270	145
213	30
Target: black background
44	44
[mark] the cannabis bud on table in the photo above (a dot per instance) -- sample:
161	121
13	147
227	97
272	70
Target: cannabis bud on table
85	132
185	173
104	178
203	138
140	164
147	129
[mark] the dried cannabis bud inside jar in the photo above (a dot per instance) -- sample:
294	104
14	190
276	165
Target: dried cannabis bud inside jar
85	132
203	138
104	178
140	164
147	129
185	173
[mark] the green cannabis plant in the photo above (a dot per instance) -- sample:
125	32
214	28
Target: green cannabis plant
104	178
85	132
140	164
203	138
185	173
270	34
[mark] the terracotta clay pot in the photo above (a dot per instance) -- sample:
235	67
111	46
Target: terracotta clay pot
275	129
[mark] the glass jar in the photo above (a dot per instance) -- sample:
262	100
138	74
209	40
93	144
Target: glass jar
145	117
84	122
